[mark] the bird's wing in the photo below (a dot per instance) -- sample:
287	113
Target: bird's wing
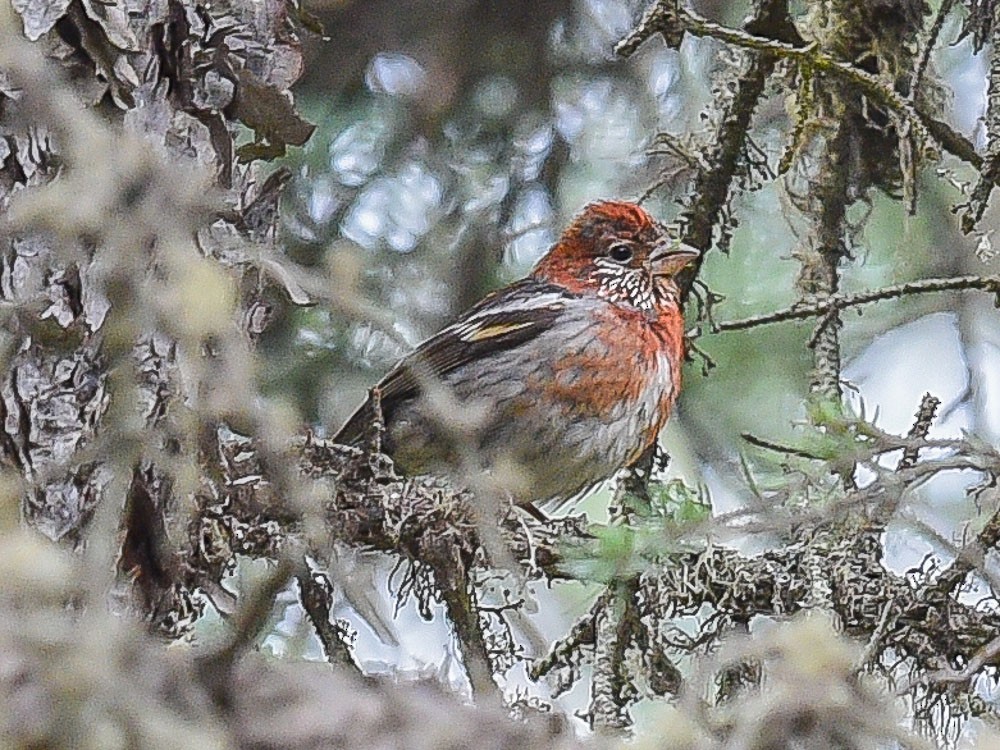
504	319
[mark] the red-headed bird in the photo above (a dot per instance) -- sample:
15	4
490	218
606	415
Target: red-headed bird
554	383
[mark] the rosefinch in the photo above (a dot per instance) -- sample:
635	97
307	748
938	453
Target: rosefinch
565	377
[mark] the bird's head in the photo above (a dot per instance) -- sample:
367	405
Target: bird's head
618	251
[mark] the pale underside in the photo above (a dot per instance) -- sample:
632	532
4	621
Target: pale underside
503	424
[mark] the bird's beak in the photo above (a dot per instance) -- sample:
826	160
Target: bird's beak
670	257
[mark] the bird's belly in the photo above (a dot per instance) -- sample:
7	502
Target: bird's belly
535	441
531	450
602	446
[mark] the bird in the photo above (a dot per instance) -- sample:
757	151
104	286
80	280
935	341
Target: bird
551	385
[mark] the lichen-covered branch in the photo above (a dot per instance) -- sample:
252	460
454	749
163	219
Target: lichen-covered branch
382	511
673	19
822	253
990	168
922	422
316	594
721	163
929	43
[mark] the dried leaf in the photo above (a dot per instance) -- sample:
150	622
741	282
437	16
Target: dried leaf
39	16
307	20
271	113
113	19
286	278
213	92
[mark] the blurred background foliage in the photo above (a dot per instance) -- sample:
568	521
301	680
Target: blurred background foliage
456	138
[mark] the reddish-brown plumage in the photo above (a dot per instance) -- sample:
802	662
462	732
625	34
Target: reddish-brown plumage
577	366
569	259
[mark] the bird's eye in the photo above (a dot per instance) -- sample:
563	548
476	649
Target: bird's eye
620	252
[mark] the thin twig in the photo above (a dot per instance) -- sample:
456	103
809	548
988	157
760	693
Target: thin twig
581	635
928	46
779	448
315	593
990	171
802	311
921	426
874	645
983	657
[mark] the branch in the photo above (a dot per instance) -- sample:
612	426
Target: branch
315	593
985	656
820	259
804	310
990	171
970	557
720	165
668	18
922	421
463	613
216	668
611	688
929	44
779	448
616	624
